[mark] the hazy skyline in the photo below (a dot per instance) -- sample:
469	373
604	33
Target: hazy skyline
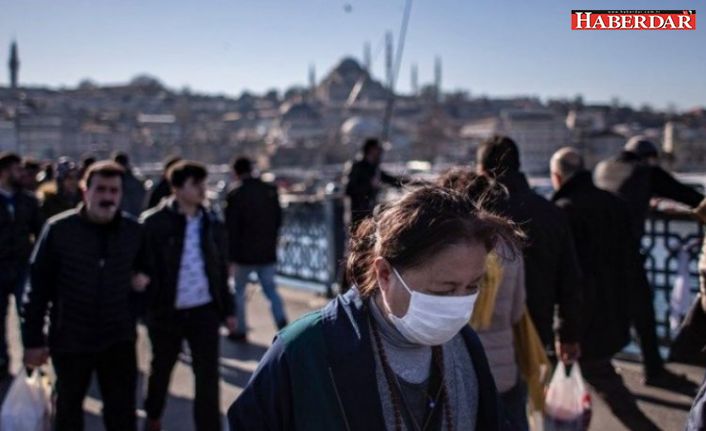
225	47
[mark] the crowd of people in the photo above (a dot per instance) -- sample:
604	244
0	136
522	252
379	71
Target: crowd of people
425	332
87	249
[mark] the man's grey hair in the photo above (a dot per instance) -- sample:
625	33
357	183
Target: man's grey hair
566	162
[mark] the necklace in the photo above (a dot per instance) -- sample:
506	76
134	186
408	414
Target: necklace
431	404
395	389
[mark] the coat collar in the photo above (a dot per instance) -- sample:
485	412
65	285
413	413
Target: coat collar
580	181
351	359
351	362
83	216
516	182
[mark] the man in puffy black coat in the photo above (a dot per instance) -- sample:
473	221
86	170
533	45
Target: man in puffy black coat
552	274
635	176
20	223
81	275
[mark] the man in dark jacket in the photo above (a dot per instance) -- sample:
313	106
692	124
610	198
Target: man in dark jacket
134	191
187	296
253	219
83	267
19	227
635	177
364	180
163	189
31	169
66	195
600	224
552	274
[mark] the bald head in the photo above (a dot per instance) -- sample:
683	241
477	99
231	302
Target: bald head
565	163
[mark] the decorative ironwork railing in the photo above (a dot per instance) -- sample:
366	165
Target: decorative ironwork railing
312	241
670	240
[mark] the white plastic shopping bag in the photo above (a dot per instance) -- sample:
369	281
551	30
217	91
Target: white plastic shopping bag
27	406
568	402
681	297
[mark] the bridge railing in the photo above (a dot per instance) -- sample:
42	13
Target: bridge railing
672	243
312	239
312	243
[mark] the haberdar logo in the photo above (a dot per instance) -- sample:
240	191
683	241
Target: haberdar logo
633	20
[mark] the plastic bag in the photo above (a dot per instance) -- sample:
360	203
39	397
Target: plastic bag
27	406
680	299
568	402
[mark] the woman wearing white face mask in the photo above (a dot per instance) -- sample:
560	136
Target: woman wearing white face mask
395	352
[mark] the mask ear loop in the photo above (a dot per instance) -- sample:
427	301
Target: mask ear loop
404	284
399	277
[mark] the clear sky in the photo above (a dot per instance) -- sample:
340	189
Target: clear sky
489	47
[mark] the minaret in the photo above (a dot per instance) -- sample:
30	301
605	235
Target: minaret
415	80
312	76
437	76
14	65
388	59
367	57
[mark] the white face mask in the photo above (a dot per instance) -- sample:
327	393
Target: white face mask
432	320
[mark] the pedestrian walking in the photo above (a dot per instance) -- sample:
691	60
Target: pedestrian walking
505	288
134	188
163	189
394	352
187	294
63	194
81	278
364	179
253	219
600	224
20	224
552	273
635	176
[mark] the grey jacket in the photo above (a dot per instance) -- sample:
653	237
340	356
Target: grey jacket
498	339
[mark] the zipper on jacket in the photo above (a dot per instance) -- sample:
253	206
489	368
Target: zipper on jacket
338	398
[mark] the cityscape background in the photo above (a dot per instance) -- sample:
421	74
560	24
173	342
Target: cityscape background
302	85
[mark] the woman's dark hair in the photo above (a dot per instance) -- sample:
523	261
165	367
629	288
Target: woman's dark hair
416	227
181	171
498	155
484	191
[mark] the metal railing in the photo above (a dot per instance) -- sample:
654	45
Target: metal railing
312	242
667	236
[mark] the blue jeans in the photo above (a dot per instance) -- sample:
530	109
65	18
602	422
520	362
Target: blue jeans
266	277
514	407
